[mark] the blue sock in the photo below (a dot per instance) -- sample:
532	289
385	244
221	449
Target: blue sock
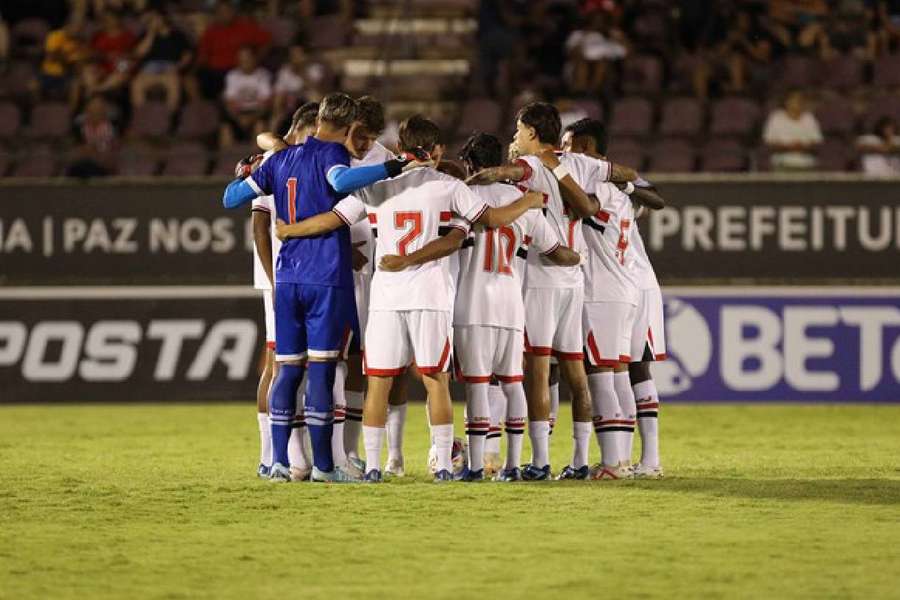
320	412
282	406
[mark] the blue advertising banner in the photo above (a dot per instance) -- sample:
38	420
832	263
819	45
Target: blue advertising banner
829	344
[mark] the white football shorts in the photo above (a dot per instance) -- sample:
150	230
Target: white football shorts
607	332
396	339
553	322
648	340
362	284
269	312
481	351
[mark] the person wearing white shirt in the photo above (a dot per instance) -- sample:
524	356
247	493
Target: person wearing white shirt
248	97
792	134
881	149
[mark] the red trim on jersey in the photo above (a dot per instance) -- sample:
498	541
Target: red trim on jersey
442	363
536	350
528	172
552	250
342	217
373	218
270	345
480	212
528	239
260	209
446	215
459	227
568	355
510	378
602	215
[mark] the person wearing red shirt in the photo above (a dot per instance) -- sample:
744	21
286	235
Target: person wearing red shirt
113	44
217	52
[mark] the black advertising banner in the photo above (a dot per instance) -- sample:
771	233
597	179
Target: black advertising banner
122	233
814	231
148	344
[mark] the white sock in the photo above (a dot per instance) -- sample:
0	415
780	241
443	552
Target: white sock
622	383
554	405
298	451
539	432
373	437
582	436
443	444
265	439
353	422
516	412
396	420
605	405
647	399
478	422
497	404
340	413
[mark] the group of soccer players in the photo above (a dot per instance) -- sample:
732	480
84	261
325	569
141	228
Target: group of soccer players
514	272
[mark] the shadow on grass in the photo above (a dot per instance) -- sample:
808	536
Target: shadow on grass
841	491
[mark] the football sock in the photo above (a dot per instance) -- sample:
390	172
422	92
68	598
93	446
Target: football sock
340	411
517	410
396	419
582	436
298	445
648	421
606	415
282	407
539	433
478	422
319	412
628	409
497	404
554	404
443	444
353	422
372	440
265	439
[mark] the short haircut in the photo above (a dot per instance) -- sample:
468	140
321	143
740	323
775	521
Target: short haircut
305	116
338	110
544	118
482	151
419	132
592	128
370	112
452	169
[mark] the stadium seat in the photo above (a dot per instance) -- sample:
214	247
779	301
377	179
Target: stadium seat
228	158
327	33
642	75
592	108
886	105
151	120
186	160
834	155
199	119
632	116
27	37
798	71
836	116
50	120
10	119
137	160
681	116
5	162
627	151
673	156
734	116
886	71
38	161
479	114
283	31
18	81
723	155
844	73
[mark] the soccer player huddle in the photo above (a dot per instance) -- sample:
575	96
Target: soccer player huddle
524	270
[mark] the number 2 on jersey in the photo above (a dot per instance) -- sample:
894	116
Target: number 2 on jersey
400	221
504	255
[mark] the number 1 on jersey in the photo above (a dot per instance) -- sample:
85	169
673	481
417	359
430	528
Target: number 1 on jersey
292	199
400	221
504	255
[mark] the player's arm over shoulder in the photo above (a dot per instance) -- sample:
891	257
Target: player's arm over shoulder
646	194
348	211
544	241
433	250
248	186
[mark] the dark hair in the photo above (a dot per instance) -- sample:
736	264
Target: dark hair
418	131
338	110
452	169
370	113
883	122
305	116
481	151
592	128
544	118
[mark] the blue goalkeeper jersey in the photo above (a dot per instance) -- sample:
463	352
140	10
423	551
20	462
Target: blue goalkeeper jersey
297	177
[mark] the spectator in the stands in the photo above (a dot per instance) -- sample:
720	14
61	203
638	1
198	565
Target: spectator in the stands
703	27
798	24
64	51
4	40
848	31
881	149
593	49
887	28
290	87
217	52
792	134
98	140
751	50
109	68
164	53
135	6
498	36
247	98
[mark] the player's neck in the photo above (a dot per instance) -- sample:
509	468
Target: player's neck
331	134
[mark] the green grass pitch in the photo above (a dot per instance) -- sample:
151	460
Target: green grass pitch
161	502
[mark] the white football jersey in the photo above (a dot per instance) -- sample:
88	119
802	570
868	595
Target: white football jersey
608	270
490	287
641	268
588	173
362	231
265	204
409	211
